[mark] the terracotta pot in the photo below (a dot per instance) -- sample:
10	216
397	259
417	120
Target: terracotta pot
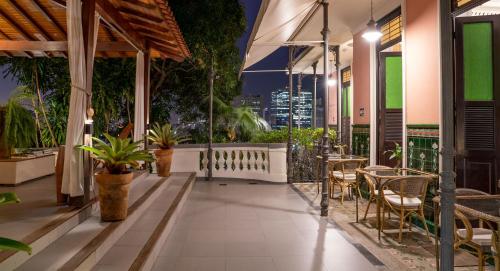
164	161
113	195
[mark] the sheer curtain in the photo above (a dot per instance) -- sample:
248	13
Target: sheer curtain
139	98
73	159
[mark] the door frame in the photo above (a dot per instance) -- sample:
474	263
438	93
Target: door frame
459	89
381	101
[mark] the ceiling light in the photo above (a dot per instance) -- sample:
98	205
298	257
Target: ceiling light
372	34
332	82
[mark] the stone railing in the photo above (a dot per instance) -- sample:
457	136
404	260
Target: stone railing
265	162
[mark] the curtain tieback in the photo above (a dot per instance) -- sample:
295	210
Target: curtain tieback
82	89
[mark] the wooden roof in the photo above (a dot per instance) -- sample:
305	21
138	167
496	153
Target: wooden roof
26	26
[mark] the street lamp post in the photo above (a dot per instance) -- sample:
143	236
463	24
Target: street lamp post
324	192
210	119
315	79
290	114
447	183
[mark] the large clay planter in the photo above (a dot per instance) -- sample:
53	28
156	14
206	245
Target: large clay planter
164	161
113	195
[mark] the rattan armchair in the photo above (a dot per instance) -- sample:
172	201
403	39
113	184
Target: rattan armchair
407	197
477	239
372	186
344	175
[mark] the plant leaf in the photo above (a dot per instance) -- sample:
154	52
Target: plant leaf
9	244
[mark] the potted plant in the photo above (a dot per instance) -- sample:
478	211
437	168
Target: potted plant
396	154
114	181
165	137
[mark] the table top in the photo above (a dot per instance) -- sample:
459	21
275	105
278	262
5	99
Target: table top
486	207
392	173
343	157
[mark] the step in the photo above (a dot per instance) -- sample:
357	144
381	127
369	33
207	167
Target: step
49	233
92	238
140	246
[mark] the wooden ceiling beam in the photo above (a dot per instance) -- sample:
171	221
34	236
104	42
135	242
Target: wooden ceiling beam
139	13
7	38
115	19
21	11
18	28
46	14
112	37
140	4
144	19
61	46
172	53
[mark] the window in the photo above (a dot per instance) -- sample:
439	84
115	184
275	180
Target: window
391	27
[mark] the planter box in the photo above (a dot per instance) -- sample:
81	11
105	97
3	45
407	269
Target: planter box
18	170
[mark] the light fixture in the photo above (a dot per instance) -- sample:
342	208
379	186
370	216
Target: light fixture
89	127
372	34
332	82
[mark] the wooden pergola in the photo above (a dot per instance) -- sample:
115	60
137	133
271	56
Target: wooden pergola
81	30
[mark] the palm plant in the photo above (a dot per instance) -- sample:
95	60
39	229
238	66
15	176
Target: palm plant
118	153
396	153
6	243
19	129
165	136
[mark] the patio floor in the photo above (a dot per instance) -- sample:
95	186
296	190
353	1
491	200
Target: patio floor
236	225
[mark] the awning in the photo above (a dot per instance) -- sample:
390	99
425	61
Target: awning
299	22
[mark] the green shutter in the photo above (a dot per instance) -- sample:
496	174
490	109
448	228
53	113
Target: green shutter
478	62
393	82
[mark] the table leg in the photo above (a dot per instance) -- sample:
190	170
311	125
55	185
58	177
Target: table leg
378	213
496	246
358	186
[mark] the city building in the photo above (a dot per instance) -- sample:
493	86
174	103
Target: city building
254	102
279	109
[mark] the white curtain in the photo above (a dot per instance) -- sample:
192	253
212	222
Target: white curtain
73	158
139	98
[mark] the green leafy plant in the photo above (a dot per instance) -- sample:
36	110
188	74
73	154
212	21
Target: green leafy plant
396	153
6	243
304	137
19	129
118	153
165	136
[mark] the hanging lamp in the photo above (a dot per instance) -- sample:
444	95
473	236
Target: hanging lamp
372	34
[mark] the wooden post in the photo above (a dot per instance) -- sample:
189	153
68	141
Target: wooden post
89	31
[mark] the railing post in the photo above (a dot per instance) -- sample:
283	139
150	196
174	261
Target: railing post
325	142
447	183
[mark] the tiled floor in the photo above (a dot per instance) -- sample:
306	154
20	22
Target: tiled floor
240	227
37	208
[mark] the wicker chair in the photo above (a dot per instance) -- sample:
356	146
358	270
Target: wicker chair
372	186
494	250
407	197
477	239
344	175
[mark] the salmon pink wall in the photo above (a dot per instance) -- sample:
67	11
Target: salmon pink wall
421	49
361	79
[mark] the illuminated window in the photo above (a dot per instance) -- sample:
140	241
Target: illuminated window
391	30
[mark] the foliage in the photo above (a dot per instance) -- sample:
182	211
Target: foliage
118	153
239	123
304	136
6	243
19	126
396	153
165	136
211	29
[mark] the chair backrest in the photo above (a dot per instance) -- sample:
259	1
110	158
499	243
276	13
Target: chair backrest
348	166
369	179
462	239
409	186
468	192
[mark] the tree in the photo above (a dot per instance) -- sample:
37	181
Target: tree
211	29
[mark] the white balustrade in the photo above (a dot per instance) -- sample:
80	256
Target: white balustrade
265	162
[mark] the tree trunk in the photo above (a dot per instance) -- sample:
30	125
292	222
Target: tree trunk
37	123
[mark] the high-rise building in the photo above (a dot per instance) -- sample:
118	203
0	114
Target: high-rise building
279	109
254	102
